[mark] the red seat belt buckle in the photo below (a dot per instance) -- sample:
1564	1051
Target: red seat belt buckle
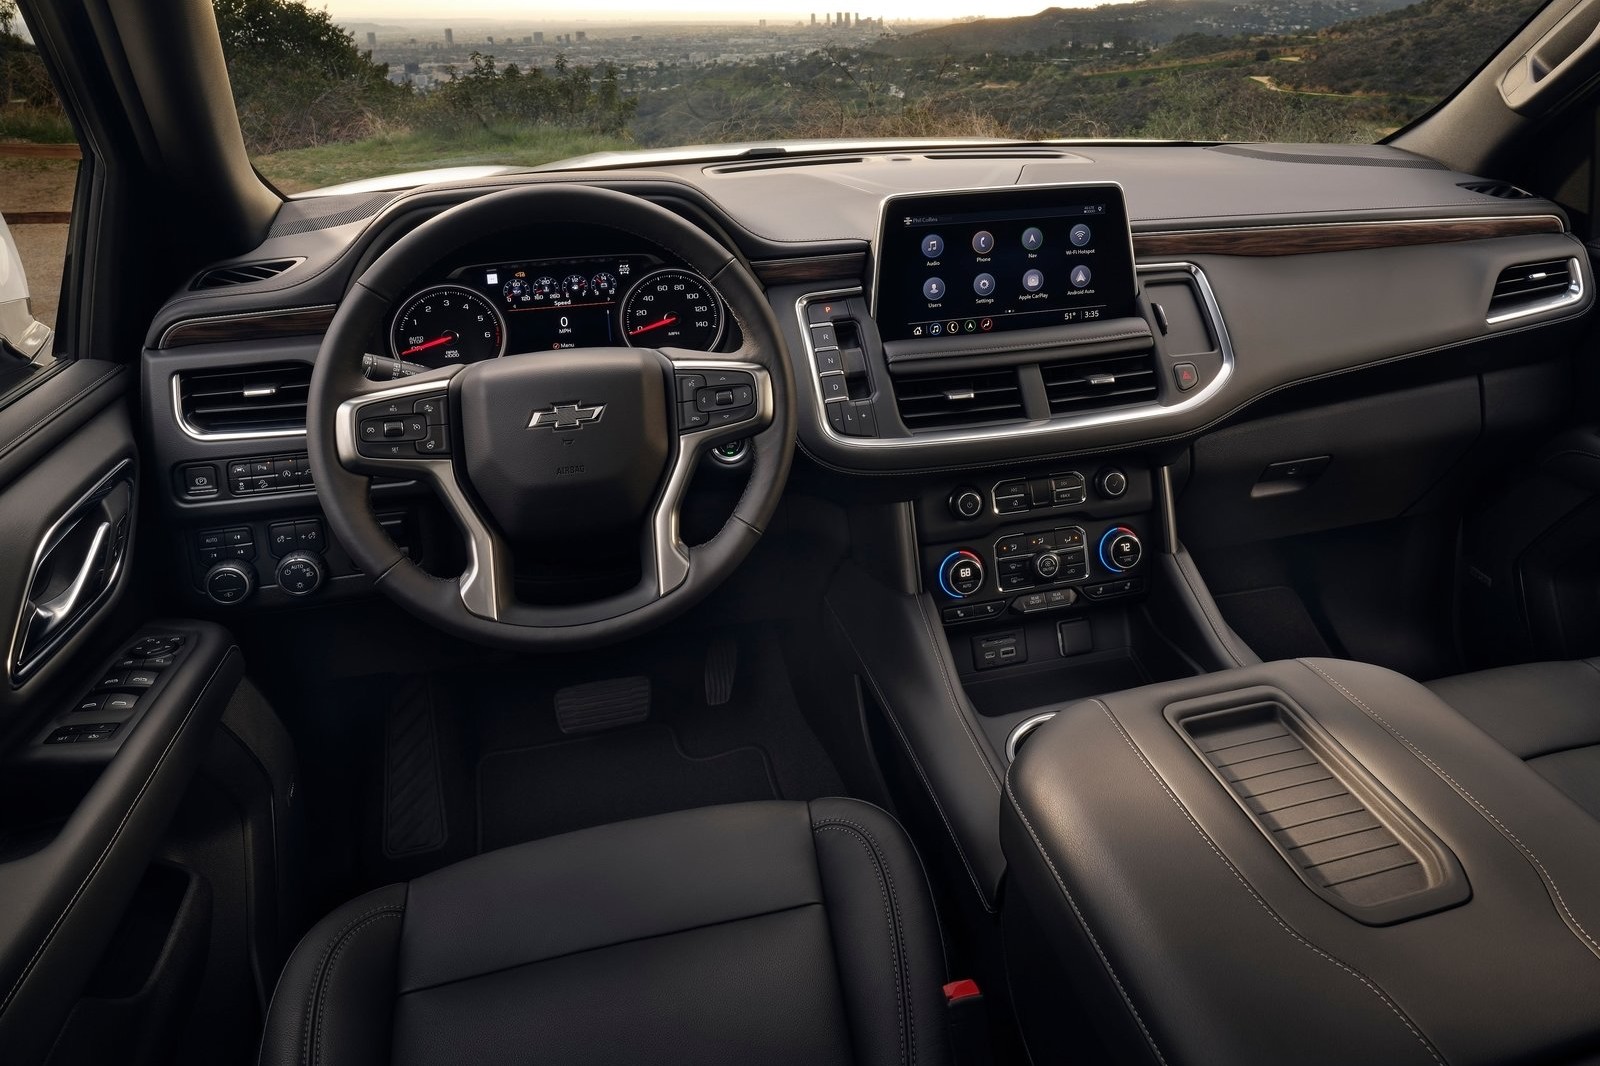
956	991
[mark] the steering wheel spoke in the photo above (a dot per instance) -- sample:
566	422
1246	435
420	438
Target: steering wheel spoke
405	431
719	398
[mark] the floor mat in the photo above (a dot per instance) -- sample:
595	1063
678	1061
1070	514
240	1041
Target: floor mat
536	792
500	771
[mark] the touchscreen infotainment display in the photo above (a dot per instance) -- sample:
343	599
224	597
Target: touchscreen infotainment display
998	260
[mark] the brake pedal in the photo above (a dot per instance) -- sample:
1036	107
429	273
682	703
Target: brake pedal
597	705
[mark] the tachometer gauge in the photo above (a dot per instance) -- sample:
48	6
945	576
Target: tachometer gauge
574	287
448	324
672	309
603	285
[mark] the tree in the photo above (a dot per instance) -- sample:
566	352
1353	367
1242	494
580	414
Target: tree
298	78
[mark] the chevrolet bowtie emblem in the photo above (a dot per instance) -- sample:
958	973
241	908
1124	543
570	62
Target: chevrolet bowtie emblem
566	416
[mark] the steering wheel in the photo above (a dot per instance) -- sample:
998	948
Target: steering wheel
551	445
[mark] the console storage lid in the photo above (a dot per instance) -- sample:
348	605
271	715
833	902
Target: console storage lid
1168	896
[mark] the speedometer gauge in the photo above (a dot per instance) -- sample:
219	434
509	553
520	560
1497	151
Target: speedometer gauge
448	324
672	309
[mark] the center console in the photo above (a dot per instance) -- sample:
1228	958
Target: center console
1353	871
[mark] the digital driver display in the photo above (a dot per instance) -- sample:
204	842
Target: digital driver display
973	263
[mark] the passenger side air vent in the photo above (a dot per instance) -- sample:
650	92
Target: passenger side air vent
1340	831
1530	288
250	402
241	273
945	401
1097	382
1502	190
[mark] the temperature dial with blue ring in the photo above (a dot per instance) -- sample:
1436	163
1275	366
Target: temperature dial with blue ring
961	574
1120	549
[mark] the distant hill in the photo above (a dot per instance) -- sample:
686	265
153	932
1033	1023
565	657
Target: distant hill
1155	21
1424	50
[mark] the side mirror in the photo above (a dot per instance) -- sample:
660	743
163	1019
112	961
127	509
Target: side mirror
24	335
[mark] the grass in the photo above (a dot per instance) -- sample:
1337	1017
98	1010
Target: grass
37	125
300	169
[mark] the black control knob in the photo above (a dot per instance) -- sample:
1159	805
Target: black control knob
966	503
1111	483
301	573
1120	549
230	582
1047	566
961	574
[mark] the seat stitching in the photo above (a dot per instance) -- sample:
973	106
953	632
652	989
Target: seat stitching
311	1021
1278	920
891	908
1083	921
1570	920
916	763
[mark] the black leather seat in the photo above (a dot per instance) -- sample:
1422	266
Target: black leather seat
760	933
1546	713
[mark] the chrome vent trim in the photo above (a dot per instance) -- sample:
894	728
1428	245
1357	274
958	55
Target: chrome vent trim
245	403
953	400
1095	383
1535	289
1115	416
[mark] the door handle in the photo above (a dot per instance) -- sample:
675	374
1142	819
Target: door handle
76	566
49	616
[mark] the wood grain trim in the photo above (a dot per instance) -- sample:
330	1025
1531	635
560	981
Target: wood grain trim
851	265
1338	236
249	326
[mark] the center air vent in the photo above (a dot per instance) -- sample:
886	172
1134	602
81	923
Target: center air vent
241	273
1502	190
945	401
1529	288
257	401
1096	382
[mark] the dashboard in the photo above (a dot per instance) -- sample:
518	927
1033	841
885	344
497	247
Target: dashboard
1094	308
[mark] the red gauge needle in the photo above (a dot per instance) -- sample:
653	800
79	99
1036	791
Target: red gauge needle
446	339
667	321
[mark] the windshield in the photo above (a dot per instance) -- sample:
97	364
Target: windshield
373	87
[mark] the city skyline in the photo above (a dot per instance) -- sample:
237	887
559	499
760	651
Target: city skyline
615	11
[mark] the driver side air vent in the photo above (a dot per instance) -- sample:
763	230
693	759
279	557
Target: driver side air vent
945	401
1503	190
241	273
1529	288
1092	383
252	401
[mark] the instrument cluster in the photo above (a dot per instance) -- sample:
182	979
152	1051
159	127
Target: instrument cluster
488	310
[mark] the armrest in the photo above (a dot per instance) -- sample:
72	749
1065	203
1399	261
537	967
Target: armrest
1183	901
63	899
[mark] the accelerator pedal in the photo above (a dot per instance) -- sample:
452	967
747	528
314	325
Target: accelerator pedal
599	705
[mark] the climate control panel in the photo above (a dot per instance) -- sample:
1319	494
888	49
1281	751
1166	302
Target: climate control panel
1037	569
